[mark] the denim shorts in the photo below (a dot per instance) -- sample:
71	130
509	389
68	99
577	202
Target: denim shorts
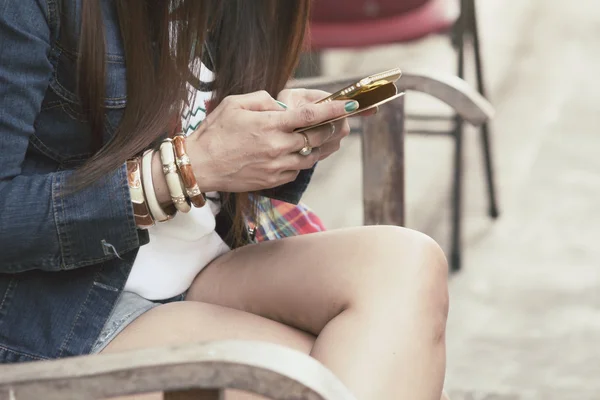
129	307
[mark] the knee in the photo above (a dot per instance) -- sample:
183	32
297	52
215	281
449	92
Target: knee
404	256
408	269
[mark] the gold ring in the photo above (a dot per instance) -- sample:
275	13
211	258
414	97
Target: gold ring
307	149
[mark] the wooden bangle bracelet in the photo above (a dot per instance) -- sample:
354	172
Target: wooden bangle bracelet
158	213
173	177
186	172
143	218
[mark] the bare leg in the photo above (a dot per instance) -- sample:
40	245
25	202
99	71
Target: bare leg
375	297
189	322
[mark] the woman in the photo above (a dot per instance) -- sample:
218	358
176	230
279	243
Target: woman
115	237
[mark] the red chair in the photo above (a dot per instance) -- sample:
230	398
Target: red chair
362	23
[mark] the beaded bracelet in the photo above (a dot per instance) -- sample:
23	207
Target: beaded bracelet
186	172
174	183
158	213
143	218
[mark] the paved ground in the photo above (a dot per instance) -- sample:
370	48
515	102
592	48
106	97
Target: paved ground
525	313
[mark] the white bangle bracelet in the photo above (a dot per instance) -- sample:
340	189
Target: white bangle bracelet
174	182
158	213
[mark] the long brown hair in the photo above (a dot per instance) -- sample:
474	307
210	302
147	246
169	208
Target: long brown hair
257	45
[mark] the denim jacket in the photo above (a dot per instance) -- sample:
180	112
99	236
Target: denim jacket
64	258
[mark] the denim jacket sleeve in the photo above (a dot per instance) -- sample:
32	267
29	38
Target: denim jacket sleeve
42	227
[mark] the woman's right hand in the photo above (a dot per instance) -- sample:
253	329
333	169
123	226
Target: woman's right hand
247	142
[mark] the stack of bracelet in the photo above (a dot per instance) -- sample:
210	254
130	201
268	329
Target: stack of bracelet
181	183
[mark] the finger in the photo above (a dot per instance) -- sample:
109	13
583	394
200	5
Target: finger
369	112
328	149
278	144
289	143
296	161
336	131
313	114
313	95
321	134
342	129
256	101
297	97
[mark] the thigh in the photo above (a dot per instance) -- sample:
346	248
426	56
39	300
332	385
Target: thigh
305	281
188	322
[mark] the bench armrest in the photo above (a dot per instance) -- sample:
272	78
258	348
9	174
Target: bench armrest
266	369
455	92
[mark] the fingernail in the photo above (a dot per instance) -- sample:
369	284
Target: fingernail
282	104
351	106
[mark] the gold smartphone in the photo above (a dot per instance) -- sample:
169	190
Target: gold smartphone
370	92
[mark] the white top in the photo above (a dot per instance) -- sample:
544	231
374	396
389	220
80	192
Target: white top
179	249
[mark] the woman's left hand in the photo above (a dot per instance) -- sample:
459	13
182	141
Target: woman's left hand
333	133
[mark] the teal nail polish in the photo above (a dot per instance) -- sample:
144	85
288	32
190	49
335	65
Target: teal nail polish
282	104
351	106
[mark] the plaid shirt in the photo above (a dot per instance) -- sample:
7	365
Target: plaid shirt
278	220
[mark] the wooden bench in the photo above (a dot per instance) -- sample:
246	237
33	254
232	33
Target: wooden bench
205	370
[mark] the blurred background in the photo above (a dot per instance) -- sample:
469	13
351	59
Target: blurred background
525	306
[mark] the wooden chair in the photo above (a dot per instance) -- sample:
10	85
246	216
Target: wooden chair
362	23
204	370
200	372
383	136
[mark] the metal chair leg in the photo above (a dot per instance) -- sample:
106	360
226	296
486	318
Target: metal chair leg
485	129
460	31
455	254
467	25
489	170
